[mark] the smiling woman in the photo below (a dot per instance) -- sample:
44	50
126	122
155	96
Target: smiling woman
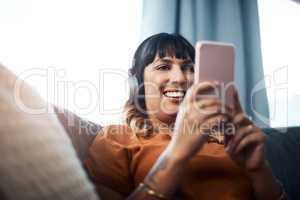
67	50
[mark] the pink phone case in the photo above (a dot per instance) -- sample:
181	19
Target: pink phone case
215	62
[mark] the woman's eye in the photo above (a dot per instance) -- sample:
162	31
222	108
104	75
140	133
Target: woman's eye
188	68
163	67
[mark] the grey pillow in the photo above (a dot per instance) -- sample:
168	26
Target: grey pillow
37	157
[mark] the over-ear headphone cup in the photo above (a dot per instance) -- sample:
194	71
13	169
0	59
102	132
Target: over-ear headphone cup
133	85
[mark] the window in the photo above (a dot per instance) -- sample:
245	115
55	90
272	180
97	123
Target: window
280	37
75	53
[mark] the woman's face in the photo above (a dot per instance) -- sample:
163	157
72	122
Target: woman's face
166	81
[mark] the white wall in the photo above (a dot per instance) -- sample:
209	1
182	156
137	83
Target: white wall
280	34
75	53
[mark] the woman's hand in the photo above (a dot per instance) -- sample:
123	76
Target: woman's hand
198	115
247	146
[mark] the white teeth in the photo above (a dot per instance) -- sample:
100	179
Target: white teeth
176	94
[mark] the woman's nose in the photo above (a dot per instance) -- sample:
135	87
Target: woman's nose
177	75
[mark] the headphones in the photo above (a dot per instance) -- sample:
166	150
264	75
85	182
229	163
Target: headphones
133	83
135	88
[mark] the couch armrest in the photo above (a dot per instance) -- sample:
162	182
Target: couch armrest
81	132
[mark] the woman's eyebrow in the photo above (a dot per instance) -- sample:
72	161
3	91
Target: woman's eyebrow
165	60
188	62
169	60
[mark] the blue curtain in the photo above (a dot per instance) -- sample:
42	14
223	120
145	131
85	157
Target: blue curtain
234	21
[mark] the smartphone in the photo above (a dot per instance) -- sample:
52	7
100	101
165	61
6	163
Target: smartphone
214	61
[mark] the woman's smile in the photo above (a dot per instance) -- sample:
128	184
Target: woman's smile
174	95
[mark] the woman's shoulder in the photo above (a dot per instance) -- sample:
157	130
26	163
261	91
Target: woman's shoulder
120	134
114	128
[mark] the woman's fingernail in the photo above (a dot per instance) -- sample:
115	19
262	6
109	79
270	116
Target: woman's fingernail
227	148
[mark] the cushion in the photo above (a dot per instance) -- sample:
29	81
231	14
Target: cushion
37	157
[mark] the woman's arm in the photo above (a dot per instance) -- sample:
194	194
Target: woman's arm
163	178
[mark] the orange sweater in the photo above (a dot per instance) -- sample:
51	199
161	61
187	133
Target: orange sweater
120	160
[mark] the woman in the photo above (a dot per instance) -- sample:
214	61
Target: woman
166	149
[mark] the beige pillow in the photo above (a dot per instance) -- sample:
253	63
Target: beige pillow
37	157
